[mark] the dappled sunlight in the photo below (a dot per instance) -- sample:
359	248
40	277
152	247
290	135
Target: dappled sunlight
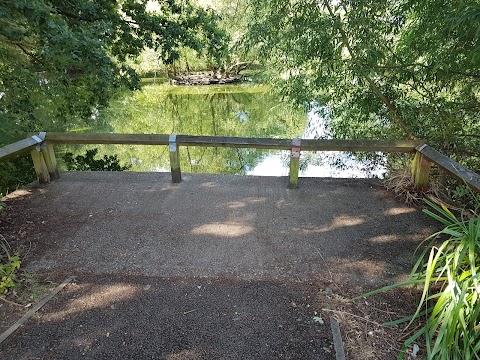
107	296
400	210
235	205
382	239
255	200
187	354
338	222
208	184
230	229
18	194
245	202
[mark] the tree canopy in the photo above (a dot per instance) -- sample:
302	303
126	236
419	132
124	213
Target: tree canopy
62	60
403	68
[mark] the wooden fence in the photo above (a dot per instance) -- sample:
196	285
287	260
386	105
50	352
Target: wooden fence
41	147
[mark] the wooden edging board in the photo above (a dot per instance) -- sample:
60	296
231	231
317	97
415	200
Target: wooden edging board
34	309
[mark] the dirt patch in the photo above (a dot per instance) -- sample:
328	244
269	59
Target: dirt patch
20	231
362	321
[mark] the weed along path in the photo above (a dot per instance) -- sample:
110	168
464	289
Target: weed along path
216	267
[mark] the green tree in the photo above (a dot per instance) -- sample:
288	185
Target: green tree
60	61
398	68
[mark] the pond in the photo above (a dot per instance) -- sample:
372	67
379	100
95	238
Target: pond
245	110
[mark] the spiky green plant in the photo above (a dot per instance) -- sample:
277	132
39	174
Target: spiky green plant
449	308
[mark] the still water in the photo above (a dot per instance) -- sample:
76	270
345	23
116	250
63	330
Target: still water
245	110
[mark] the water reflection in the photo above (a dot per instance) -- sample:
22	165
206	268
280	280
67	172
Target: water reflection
319	164
227	110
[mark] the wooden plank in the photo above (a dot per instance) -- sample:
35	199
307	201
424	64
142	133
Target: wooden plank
360	145
307	144
18	148
107	138
34	309
40	166
234	142
470	177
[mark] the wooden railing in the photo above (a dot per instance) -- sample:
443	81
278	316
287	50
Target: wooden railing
42	151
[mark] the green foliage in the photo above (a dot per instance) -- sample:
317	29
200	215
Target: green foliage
9	264
383	69
88	162
60	61
15	173
449	273
462	194
63	61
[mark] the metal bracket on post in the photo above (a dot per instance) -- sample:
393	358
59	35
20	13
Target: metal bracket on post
295	163
174	158
296	144
172	142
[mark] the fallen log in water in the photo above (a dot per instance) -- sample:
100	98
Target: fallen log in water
204	79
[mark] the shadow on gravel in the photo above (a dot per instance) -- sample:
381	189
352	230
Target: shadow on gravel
135	231
149	318
344	230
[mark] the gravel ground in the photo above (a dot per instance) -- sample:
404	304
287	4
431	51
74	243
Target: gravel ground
216	267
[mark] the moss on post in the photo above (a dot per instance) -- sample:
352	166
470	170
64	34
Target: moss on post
50	160
420	171
40	166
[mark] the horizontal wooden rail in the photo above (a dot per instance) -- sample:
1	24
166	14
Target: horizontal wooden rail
46	168
19	147
106	138
361	145
235	142
470	177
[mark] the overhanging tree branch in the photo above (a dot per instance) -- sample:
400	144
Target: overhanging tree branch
391	107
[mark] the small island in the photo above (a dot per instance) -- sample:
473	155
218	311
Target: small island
205	79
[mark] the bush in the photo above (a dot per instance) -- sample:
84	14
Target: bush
88	162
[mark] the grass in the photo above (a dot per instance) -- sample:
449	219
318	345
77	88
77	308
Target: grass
448	269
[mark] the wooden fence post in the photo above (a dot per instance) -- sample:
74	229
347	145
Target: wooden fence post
50	160
174	159
40	165
294	163
420	171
